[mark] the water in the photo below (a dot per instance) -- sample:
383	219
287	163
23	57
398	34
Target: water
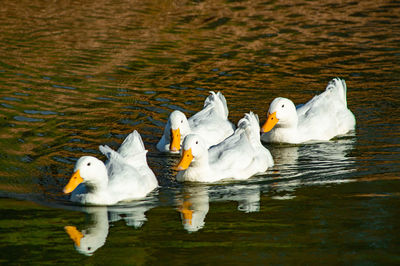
74	76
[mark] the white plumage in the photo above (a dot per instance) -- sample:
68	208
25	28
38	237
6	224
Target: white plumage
240	156
211	123
321	119
125	176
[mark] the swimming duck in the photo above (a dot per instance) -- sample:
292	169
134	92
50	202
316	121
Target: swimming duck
125	176
211	123
240	156
322	118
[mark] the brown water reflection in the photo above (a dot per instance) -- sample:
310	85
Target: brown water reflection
78	72
74	75
104	38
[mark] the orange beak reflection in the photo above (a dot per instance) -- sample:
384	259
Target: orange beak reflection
187	213
74	234
75	180
186	159
176	140
270	123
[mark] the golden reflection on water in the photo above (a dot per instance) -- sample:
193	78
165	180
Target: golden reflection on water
97	38
77	74
82	74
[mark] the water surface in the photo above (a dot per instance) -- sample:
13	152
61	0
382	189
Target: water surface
77	75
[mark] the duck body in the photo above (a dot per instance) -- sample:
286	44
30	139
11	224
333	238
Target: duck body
126	175
321	119
211	123
239	157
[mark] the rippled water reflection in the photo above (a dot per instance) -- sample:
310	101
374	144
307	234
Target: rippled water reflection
77	75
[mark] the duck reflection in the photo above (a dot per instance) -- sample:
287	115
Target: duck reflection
247	196
193	206
329	162
193	202
94	236
285	156
313	163
95	233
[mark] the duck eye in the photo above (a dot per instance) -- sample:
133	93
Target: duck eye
89	248
197	142
88	164
283	105
181	121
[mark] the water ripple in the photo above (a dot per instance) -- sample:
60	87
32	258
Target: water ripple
74	78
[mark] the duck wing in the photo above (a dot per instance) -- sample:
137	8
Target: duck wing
132	145
235	156
232	155
214	108
117	166
334	97
326	114
125	181
212	121
242	153
218	103
132	150
133	153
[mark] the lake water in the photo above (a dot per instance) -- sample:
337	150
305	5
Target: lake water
75	75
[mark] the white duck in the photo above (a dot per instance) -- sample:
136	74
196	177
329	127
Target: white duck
322	118
126	176
211	123
240	156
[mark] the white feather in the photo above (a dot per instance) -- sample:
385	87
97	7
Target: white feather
125	176
211	123
240	156
321	119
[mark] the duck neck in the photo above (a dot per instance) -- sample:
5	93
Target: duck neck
199	168
100	219
289	123
100	183
285	134
201	161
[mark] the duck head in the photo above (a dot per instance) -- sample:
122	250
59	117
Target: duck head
88	170
179	128
193	147
281	113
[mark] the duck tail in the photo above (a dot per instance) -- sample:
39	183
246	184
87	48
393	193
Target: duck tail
251	125
340	86
133	144
219	101
108	152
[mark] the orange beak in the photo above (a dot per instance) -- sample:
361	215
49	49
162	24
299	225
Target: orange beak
186	159
176	140
74	234
187	213
270	123
75	180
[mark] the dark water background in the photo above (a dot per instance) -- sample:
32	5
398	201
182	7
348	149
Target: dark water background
74	75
